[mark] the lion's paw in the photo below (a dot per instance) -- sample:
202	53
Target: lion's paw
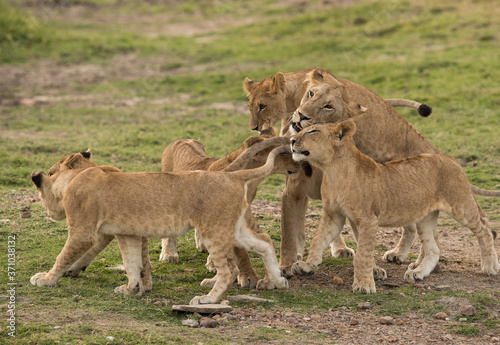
202	300
414	274
490	268
248	282
124	289
40	279
287	271
343	253
364	287
172	258
208	282
303	268
210	265
268	284
379	273
394	256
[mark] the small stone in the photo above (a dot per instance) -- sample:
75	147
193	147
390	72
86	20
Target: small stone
271	315
494	340
364	305
386	320
225	302
338	281
58	327
4	221
353	322
468	310
307	319
288	314
441	316
26	214
190	323
463	319
442	287
110	338
208	323
400	322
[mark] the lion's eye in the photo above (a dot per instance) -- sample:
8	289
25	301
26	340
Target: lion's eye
262	107
311	94
328	106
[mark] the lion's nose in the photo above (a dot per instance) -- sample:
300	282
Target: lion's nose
303	117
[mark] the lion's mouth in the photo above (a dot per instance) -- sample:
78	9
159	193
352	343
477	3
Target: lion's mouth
296	126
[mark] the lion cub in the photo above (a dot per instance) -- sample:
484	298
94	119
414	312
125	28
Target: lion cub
130	206
396	193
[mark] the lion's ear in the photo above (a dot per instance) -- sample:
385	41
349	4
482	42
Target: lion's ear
86	154
248	86
354	109
75	159
345	129
37	177
278	83
321	75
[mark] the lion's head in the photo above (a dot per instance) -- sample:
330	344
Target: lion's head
266	101
73	161
325	101
320	143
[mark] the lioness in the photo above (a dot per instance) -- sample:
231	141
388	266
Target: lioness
275	98
134	205
189	154
395	193
382	134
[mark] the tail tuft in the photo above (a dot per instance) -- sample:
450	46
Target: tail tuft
424	110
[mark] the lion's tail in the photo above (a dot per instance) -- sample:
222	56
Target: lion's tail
264	171
423	109
485	192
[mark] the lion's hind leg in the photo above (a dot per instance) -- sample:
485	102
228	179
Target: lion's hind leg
398	255
82	263
429	253
74	249
146	274
262	245
131	249
471	215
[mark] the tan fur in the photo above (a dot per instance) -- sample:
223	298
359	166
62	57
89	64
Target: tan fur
395	193
130	206
189	154
275	99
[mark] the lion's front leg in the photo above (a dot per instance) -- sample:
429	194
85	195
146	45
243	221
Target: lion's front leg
293	211
147	273
330	226
364	263
247	277
75	248
131	249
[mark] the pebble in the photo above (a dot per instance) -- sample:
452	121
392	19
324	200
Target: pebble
467	310
207	322
26	214
463	319
441	316
354	322
338	281
386	320
494	340
110	338
364	305
190	323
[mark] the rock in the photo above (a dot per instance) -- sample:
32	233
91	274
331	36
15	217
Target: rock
400	322
386	320
442	287
467	310
463	319
207	322
441	316
26	214
4	221
203	308
248	299
364	305
494	340
190	323
338	281
110	338
354	322
225	302
58	327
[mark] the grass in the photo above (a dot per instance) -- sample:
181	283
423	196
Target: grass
444	55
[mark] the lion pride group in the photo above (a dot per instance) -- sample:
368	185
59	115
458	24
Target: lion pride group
339	142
